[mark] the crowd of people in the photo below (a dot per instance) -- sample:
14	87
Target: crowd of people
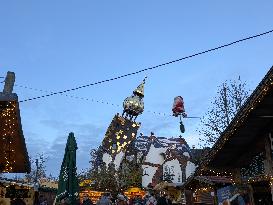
120	199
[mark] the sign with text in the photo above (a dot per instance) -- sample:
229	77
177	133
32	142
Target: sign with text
224	193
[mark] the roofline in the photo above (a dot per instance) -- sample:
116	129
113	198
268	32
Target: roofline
250	104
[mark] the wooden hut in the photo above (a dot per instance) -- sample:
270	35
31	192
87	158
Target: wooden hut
245	148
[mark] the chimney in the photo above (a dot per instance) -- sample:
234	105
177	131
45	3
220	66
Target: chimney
9	83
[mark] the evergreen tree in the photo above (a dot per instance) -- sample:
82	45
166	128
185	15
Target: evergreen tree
130	174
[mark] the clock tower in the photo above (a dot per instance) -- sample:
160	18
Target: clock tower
123	128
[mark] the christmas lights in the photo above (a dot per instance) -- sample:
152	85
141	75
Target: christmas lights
8	131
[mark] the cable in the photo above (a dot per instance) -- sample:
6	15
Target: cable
71	96
149	68
2	81
98	101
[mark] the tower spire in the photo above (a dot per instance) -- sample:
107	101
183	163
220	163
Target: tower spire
140	89
134	105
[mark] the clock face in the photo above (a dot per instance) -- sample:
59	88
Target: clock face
120	133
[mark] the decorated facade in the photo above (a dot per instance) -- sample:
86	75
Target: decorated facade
123	129
162	159
14	191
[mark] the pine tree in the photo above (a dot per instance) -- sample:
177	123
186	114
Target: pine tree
130	174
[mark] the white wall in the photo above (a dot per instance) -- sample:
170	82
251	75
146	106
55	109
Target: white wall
118	159
190	168
107	158
175	169
154	155
148	177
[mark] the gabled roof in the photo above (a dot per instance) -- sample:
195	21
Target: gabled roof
143	143
194	182
246	131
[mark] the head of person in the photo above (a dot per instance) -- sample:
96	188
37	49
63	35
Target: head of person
107	195
85	197
121	197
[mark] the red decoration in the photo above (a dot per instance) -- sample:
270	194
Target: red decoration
178	107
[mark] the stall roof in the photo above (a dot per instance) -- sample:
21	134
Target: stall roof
247	130
195	182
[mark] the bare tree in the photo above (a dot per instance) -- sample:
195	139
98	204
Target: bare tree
230	97
38	168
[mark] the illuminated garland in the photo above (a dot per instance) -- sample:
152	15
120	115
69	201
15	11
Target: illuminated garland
255	168
259	178
212	172
204	189
8	118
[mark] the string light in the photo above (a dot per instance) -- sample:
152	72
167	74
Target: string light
257	96
150	68
7	116
100	101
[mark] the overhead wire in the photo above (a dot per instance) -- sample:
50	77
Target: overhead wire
2	81
71	96
147	69
97	101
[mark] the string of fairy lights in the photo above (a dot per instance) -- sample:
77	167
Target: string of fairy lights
149	68
8	132
9	114
98	101
143	70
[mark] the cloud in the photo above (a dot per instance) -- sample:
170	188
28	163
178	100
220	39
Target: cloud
87	136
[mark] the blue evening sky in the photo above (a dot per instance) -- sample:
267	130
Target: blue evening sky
56	45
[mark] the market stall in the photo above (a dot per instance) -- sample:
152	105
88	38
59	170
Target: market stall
93	195
173	190
133	192
11	191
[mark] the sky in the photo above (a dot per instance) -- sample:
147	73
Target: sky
57	45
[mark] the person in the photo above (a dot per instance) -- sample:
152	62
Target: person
146	197
65	201
105	199
169	200
237	199
121	200
44	202
17	201
126	199
86	200
151	200
131	201
138	200
162	200
246	197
